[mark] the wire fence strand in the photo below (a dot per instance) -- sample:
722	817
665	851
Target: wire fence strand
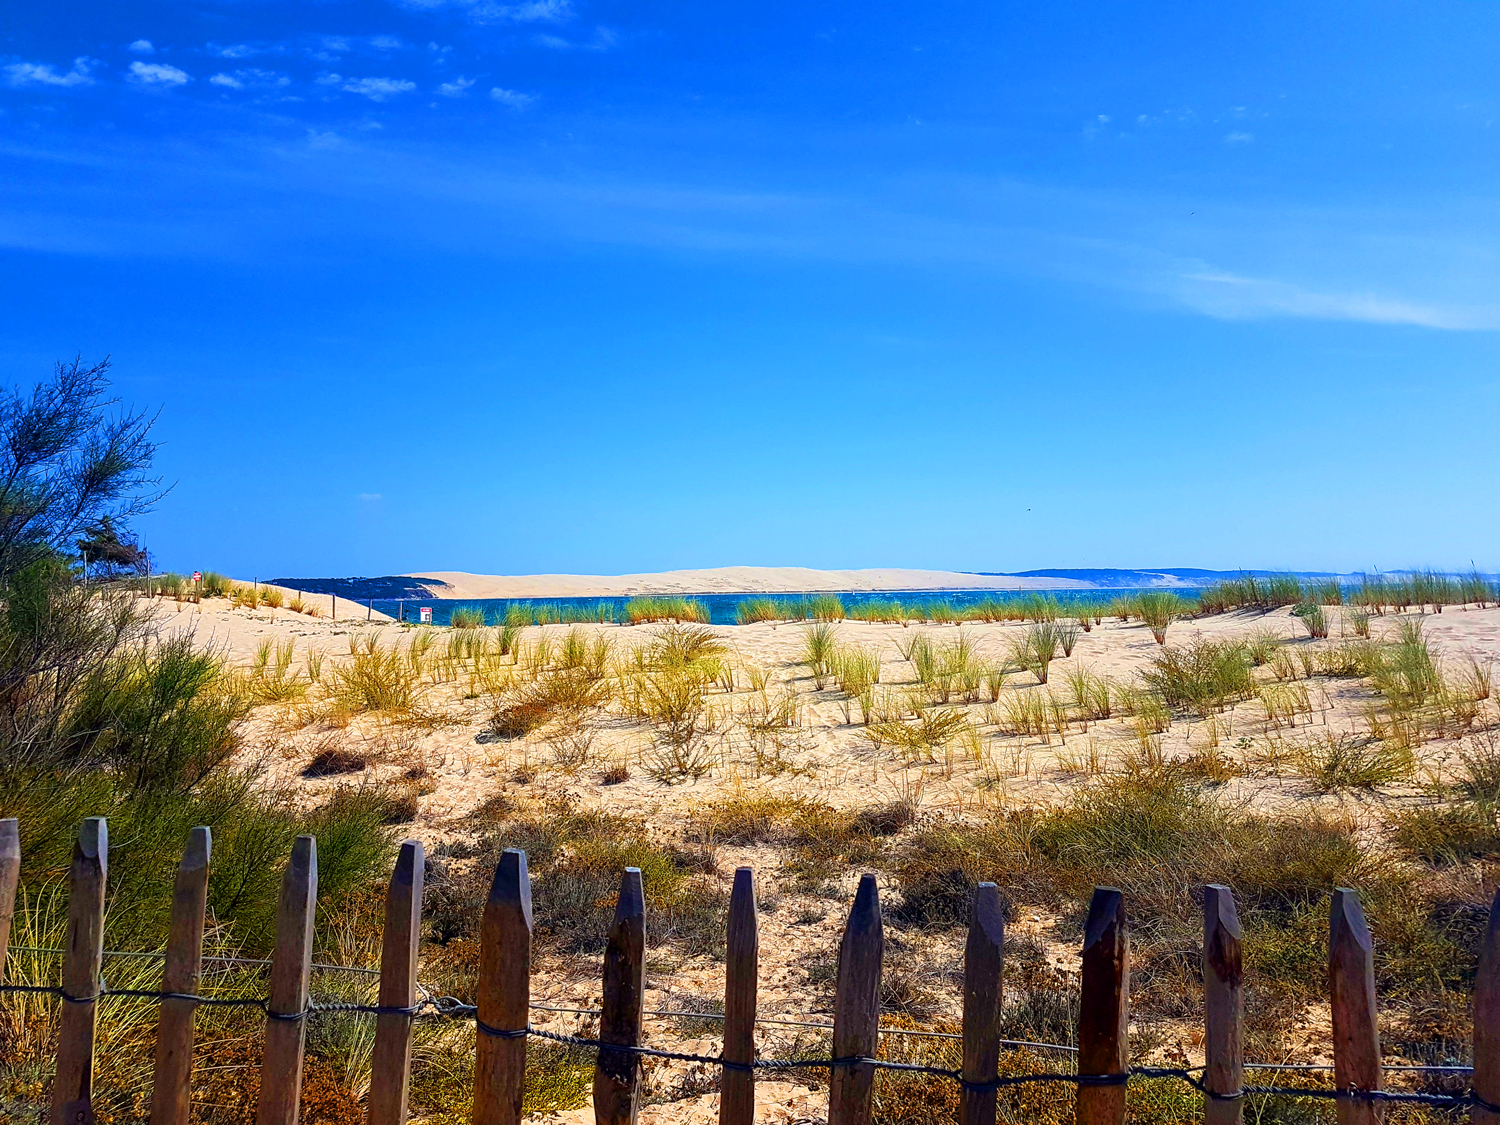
449	1007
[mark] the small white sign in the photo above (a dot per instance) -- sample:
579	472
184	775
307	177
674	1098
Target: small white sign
424	613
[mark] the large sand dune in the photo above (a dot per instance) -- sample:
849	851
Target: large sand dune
726	580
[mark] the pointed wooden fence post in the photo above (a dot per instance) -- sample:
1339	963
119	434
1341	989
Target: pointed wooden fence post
1487	1023
10	879
617	1074
856	1009
291	966
1351	983
1104	1009
171	1100
741	982
1223	1002
504	994
984	959
83	951
390	1061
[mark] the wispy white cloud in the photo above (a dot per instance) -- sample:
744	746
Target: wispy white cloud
457	88
602	40
1238	138
251	78
142	47
376	89
513	98
158	75
497	11
1228	296
44	74
1434	267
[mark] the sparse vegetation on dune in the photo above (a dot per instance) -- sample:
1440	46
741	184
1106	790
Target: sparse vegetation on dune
1026	740
1158	610
640	611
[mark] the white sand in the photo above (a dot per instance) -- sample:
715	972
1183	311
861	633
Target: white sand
726	580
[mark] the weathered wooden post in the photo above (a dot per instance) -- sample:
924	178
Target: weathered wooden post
1104	1010
1351	983
1223	1000
984	959
390	1061
1486	1082
504	994
171	1101
617	1074
83	952
741	982
291	966
856	1009
10	879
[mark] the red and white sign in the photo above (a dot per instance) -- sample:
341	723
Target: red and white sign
197	576
424	613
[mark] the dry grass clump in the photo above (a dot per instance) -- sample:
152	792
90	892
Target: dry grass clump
930	730
274	680
1158	610
1314	620
563	687
577	856
1161	835
1204	675
1155	835
1038	648
823	842
1332	760
375	678
466	617
1446	834
1092	695
819	646
641	611
665	683
331	760
904	1098
558	1078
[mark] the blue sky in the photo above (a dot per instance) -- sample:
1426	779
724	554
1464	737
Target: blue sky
564	285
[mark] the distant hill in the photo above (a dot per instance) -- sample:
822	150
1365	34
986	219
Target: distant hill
391	586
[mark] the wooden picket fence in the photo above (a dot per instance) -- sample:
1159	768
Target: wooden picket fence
504	996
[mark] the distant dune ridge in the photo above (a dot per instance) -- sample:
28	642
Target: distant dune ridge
726	580
461	585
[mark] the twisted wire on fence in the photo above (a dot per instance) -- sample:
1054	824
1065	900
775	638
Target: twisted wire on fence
449	1007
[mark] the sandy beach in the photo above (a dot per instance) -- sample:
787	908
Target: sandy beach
725	580
608	759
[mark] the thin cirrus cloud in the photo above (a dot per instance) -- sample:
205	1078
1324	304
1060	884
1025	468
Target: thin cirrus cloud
489	11
513	98
602	40
142	47
323	48
376	89
160	76
45	74
251	78
457	88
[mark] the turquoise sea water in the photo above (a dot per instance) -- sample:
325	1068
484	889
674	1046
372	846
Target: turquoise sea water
723	609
